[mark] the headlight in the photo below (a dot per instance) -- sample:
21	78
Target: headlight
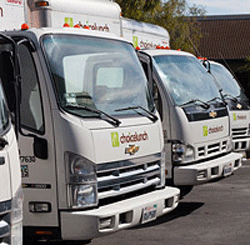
182	153
16	218
82	181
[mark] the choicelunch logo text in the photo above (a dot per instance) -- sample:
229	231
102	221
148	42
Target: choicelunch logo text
212	130
239	117
118	140
14	2
87	25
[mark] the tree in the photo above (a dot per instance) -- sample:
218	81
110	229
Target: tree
135	9
174	15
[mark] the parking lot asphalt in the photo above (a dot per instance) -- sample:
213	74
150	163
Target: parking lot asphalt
215	213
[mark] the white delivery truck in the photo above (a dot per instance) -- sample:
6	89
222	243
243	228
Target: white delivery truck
238	104
91	164
11	195
195	119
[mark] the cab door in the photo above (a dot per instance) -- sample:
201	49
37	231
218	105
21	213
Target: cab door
5	147
37	146
36	137
162	104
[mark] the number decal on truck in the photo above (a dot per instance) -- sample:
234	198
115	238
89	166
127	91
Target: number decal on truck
27	159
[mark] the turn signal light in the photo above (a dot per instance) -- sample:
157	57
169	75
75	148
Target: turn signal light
40	207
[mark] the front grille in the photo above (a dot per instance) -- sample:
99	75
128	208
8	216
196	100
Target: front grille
239	133
212	149
5	209
123	177
201	114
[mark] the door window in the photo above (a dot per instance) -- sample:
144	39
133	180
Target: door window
31	106
4	115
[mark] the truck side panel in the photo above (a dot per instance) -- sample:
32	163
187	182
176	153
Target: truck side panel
11	14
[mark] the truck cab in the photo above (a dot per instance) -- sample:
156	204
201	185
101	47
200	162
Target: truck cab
195	119
11	195
238	103
91	143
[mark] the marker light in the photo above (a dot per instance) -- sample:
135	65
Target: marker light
42	4
66	25
44	232
158	47
24	26
76	26
201	58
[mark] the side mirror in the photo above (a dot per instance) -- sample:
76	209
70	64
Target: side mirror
40	147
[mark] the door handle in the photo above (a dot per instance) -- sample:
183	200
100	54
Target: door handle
2	161
3	143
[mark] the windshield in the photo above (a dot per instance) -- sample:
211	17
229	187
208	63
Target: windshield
226	80
98	73
185	78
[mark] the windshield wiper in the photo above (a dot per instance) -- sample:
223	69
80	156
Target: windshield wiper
203	104
150	115
229	96
115	121
216	98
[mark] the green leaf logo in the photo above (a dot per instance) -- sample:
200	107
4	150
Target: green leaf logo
135	41
115	139
69	21
234	117
205	131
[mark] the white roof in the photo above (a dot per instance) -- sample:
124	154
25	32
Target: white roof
129	24
163	52
77	31
102	8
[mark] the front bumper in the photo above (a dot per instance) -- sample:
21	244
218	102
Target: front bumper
86	225
203	172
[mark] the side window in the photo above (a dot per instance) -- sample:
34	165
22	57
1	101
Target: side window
4	115
153	88
31	106
157	99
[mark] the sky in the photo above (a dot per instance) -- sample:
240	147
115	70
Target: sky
223	7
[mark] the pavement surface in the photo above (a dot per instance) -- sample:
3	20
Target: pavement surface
216	213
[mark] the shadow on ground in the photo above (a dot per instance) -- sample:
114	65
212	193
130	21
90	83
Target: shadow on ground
183	209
